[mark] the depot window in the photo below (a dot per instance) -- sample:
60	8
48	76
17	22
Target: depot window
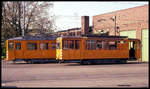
44	46
32	46
10	46
18	46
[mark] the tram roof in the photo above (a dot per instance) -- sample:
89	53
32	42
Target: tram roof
28	37
104	36
97	36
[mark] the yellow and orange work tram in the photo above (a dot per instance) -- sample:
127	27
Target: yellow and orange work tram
84	49
97	49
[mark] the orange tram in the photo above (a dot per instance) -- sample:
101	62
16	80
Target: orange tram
31	49
91	49
85	49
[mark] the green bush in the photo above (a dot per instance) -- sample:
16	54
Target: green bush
3	52
2	57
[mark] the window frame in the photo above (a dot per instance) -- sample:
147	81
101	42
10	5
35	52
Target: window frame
68	44
53	45
77	44
89	44
16	45
64	44
113	46
46	44
105	45
71	44
32	43
12	47
99	42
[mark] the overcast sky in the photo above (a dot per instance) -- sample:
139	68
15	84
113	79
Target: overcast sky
68	14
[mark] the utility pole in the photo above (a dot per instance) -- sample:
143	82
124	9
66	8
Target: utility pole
115	24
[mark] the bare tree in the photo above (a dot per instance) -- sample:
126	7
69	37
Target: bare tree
37	18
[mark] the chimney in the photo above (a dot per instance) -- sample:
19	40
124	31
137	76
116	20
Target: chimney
84	25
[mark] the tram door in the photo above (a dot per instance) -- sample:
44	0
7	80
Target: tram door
132	50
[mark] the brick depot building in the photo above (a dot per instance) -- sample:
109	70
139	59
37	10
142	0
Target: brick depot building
132	22
85	28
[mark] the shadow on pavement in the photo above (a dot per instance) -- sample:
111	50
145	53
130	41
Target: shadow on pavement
33	63
78	64
135	62
8	87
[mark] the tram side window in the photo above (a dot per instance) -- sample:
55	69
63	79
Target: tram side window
44	46
71	44
77	44
122	42
68	44
112	45
65	44
53	45
105	45
99	44
31	46
10	46
91	44
18	46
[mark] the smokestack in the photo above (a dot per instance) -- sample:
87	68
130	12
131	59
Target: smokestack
84	25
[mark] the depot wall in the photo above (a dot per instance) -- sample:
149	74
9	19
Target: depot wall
133	20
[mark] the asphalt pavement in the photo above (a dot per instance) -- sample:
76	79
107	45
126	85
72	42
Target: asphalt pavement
130	75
